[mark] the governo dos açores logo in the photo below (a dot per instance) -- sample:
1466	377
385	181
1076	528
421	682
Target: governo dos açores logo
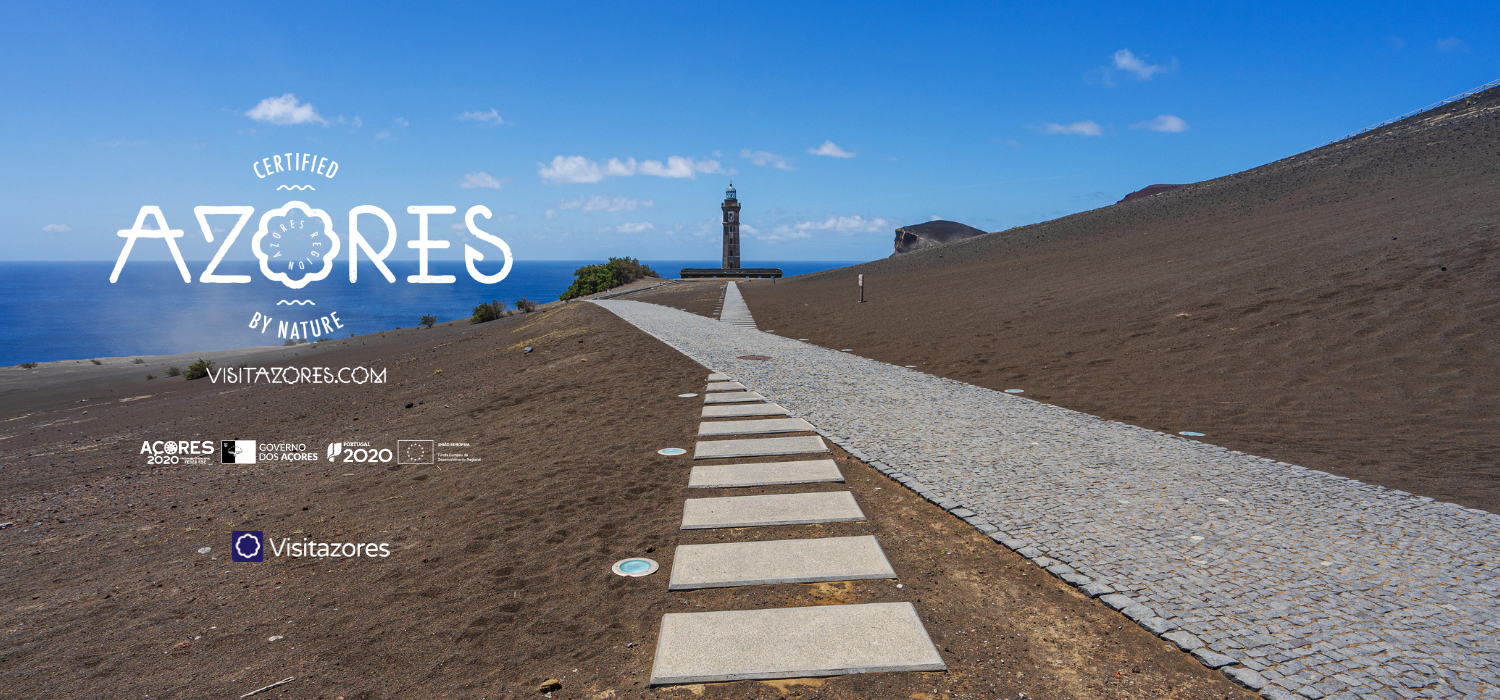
297	243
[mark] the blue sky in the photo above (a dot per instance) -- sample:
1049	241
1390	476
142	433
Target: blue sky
837	122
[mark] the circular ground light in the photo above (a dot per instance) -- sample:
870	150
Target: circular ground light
754	357
639	566
1190	433
686	396
671	451
1015	391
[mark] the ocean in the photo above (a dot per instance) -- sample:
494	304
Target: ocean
70	311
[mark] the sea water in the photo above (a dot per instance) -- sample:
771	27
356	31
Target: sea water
69	310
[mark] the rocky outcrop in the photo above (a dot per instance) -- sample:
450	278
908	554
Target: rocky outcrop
1147	191
919	236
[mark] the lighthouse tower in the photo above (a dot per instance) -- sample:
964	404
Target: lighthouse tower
731	209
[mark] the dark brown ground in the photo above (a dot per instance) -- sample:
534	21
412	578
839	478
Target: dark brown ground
1339	309
500	571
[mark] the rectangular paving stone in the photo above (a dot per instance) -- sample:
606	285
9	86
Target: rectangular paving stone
753	427
779	509
725	476
725	386
759	447
824	640
719	377
733	397
778	561
742	410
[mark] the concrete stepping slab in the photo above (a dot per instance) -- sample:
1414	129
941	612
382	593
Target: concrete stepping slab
742	410
728	476
725	386
754	427
733	397
719	377
824	640
778	509
778	561
759	447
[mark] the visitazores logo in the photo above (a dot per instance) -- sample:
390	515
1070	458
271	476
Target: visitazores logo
247	546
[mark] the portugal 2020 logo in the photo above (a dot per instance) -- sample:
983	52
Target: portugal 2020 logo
298	244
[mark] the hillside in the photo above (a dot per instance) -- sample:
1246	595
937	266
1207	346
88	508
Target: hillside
1336	309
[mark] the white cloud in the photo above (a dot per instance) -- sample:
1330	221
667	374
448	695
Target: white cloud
1453	45
401	122
490	117
285	111
577	169
597	203
629	227
835	224
934	217
482	179
767	158
57	228
830	149
1127	61
1083	128
1167	123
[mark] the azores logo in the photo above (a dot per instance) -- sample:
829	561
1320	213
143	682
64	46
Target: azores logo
247	546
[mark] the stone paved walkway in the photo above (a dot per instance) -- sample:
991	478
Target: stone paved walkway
735	311
1307	582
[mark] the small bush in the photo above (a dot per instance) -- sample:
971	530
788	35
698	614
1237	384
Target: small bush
597	278
150	376
319	340
302	341
485	313
28	365
289	342
173	371
199	369
137	361
427	320
96	362
525	305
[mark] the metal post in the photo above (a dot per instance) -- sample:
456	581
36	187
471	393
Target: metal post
861	289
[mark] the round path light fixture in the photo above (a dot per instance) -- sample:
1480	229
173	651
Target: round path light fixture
671	451
686	396
1190	433
635	566
1015	391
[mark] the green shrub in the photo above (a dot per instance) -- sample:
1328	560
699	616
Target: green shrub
137	361
427	320
28	365
525	305
173	371
96	362
590	279
150	376
199	369
485	313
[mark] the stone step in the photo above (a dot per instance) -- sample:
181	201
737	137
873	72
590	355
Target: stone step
754	427
719	377
759	447
725	386
727	476
741	410
779	509
733	397
825	640
778	561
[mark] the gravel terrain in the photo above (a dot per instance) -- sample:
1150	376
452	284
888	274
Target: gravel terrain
1293	580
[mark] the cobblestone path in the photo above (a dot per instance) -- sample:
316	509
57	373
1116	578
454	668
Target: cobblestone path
1291	579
